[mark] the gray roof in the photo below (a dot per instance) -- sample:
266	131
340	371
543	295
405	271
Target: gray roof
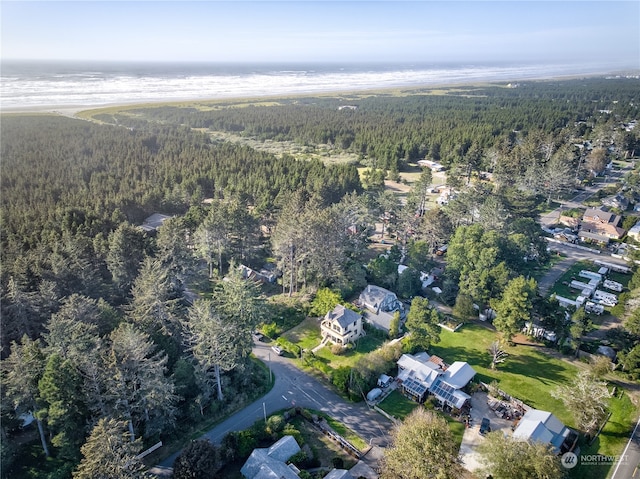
459	374
267	463
344	316
153	222
381	320
374	296
339	474
541	426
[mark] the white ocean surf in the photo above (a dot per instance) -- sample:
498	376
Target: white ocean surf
51	85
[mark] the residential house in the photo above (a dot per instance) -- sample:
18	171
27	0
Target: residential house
271	462
421	374
262	276
616	201
380	305
341	326
152	223
604	224
544	427
634	232
432	165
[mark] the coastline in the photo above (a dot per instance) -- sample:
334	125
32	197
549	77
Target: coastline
104	92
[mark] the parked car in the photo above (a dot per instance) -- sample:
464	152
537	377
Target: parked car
485	426
258	336
277	350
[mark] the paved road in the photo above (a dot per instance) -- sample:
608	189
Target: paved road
627	466
293	387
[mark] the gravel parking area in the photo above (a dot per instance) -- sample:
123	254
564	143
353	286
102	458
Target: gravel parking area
472	438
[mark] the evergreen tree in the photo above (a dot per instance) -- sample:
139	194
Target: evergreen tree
60	388
211	341
514	308
422	324
22	371
137	384
126	251
110	453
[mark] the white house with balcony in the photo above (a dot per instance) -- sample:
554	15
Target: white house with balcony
341	326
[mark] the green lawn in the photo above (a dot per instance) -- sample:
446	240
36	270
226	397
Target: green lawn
307	336
363	346
572	273
344	431
528	373
398	406
612	439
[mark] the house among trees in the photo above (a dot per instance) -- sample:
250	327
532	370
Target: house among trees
600	226
153	222
421	374
544	427
262	276
272	461
380	305
341	326
432	165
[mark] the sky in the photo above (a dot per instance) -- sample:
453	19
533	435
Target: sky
323	31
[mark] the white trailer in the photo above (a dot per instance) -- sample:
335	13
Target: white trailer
565	302
613	266
591	307
602	297
578	285
612	285
590	275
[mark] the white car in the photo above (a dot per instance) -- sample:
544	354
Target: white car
277	350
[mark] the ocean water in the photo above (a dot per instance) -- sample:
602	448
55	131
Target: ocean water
51	85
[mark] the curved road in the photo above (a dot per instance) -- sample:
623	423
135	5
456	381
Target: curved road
294	387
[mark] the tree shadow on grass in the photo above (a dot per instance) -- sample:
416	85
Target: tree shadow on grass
536	366
451	354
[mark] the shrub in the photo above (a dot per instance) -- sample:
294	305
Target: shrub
270	330
337	349
275	424
290	430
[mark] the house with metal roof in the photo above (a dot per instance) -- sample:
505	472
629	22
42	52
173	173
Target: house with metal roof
270	463
544	427
341	326
420	375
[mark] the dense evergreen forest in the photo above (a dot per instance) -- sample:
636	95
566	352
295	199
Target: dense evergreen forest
101	333
389	131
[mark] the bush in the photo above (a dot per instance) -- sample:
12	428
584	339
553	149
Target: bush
270	330
275	424
289	346
290	430
338	349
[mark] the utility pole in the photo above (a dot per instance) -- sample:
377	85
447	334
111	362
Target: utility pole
264	410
